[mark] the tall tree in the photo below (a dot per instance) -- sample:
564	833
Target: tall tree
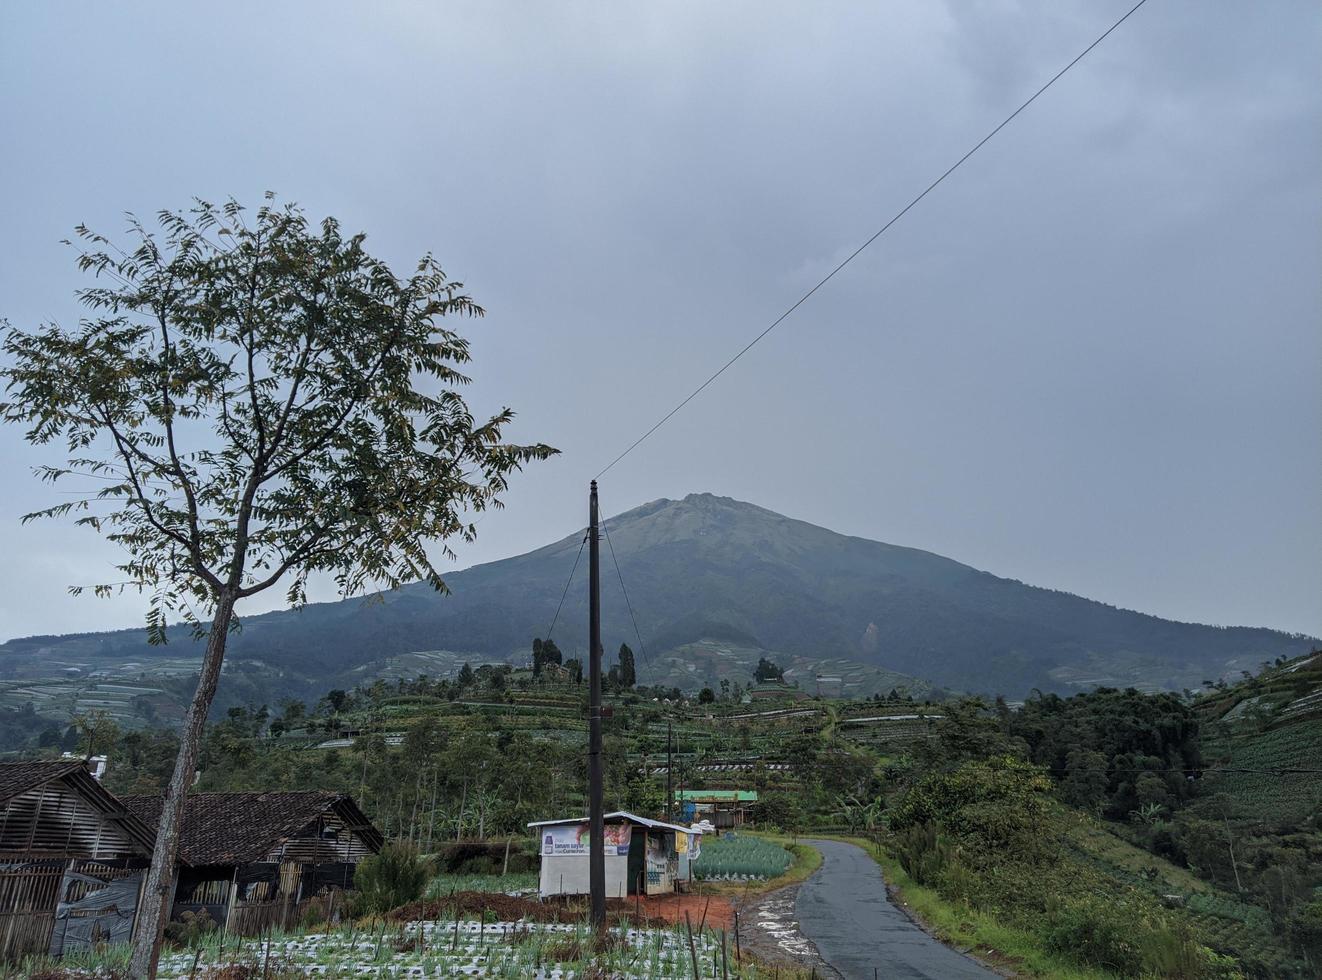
628	671
261	400
551	653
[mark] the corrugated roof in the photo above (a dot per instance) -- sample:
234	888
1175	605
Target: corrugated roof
237	828
617	815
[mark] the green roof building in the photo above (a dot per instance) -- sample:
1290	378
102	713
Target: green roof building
725	808
717	795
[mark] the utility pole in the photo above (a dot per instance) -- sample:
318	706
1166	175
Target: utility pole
596	825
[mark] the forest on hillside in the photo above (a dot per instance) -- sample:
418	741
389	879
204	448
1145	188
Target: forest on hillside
1113	827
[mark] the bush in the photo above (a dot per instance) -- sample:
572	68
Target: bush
1306	929
921	852
395	877
485	857
1097	934
190	928
1174	953
1117	937
996	809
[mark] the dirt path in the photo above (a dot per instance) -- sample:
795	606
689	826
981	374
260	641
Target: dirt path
769	931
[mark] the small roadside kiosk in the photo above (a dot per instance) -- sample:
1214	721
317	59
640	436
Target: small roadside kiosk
642	855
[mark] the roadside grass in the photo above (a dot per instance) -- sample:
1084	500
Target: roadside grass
972	931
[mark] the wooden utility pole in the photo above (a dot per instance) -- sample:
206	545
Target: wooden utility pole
596	825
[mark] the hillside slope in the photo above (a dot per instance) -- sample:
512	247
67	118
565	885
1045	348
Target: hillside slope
715	571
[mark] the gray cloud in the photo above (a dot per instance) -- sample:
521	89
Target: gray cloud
1091	360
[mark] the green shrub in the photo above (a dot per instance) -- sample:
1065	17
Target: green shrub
395	877
1117	936
921	851
190	928
1306	929
997	808
1172	951
1096	933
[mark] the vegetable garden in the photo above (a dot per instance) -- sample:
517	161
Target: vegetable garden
738	857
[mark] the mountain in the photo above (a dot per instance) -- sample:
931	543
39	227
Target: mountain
714	583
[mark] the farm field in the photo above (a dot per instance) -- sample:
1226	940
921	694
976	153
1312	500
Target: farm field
1269	724
740	857
508	950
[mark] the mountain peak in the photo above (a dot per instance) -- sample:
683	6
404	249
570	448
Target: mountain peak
712	579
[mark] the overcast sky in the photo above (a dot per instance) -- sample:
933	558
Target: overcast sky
1091	360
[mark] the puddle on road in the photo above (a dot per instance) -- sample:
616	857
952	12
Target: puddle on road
776	918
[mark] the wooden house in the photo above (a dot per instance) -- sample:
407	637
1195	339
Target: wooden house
254	860
72	860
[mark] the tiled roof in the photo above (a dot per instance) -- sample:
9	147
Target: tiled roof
19	777
236	828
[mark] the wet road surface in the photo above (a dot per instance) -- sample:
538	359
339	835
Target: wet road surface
843	908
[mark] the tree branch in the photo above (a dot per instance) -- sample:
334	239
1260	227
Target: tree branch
193	547
167	410
293	558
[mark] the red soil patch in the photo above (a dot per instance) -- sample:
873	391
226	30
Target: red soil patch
671	908
652	908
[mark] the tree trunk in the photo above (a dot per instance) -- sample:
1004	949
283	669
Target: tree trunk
158	894
431	818
463	802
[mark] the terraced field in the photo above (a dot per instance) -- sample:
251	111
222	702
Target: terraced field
1272	725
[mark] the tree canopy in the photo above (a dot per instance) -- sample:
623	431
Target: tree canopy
254	396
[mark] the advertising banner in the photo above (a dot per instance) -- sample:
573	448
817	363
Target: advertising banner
573	838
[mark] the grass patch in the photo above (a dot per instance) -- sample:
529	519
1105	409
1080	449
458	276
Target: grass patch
514	882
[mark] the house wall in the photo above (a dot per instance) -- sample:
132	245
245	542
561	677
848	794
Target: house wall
98	904
567	874
49	838
662	863
247	899
324	840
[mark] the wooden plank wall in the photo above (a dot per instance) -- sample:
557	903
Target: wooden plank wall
325	840
28	894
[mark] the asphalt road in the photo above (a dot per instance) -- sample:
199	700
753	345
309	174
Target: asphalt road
843	908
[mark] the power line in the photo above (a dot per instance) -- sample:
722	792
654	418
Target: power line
570	581
858	251
1191	771
628	605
